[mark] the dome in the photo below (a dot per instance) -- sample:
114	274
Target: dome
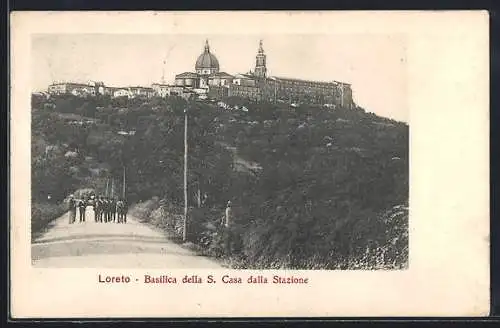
207	61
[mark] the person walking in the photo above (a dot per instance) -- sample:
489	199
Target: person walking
113	209
119	210
124	211
101	208
109	205
72	209
106	210
82	207
96	206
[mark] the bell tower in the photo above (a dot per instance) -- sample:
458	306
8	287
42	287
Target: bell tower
260	62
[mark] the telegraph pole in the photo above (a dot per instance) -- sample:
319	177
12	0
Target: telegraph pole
342	95
185	174
123	187
275	92
163	72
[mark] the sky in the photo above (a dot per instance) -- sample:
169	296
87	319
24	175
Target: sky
375	65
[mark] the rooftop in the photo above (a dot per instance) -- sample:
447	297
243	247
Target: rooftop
162	84
221	74
244	75
137	87
186	74
71	83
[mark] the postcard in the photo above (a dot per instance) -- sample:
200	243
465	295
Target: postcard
249	164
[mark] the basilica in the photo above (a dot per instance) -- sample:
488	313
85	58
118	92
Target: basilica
207	79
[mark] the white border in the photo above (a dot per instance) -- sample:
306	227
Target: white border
448	62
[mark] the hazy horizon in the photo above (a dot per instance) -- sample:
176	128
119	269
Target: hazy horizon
375	65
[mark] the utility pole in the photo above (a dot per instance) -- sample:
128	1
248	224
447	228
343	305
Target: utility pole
123	187
107	183
275	92
342	95
163	72
185	174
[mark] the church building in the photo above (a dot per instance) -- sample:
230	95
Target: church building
257	85
206	73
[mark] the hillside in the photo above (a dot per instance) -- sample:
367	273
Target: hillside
311	187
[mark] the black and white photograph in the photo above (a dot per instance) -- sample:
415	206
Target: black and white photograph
201	151
249	164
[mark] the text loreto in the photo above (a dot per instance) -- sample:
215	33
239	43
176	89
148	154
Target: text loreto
114	279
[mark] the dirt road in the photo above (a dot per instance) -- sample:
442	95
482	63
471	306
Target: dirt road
111	245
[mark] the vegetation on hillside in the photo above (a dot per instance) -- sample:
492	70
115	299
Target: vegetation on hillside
323	189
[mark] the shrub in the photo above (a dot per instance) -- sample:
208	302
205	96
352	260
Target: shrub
42	214
143	210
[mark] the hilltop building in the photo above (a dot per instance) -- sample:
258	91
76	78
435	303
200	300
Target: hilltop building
257	85
161	89
77	89
260	63
208	81
93	89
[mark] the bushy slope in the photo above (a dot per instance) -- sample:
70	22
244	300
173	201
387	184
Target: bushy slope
328	180
311	187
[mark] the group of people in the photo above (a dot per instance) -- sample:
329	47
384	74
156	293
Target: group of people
106	209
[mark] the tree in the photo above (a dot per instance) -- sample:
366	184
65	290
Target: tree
87	109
